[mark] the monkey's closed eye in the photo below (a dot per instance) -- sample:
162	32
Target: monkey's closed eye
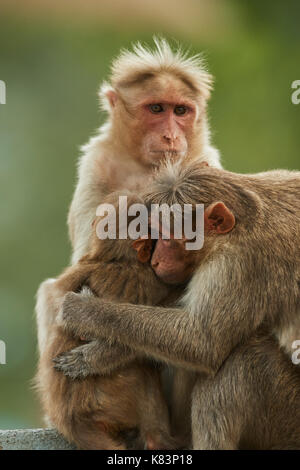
156	108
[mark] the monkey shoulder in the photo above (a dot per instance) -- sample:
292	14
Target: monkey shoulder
133	283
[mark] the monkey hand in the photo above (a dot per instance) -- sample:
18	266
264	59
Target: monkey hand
84	315
75	363
73	313
100	357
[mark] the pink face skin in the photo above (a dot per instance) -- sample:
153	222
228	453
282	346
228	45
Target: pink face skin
171	262
169	124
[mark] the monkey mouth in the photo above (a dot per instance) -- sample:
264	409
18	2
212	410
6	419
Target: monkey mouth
168	153
170	278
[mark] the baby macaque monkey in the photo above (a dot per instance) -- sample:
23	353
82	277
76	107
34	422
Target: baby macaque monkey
126	408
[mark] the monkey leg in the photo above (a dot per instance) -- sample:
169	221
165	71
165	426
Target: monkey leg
89	434
215	423
183	384
251	403
221	405
154	413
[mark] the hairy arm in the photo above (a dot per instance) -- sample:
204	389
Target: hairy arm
200	337
49	298
99	357
163	333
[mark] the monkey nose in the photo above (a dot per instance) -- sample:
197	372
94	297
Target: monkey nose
170	139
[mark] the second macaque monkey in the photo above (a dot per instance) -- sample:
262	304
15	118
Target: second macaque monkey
124	409
244	292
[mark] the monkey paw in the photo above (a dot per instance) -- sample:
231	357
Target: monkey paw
79	314
69	300
71	313
73	363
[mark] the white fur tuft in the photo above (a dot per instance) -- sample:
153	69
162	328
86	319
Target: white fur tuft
162	58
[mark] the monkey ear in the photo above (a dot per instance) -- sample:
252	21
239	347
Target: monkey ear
112	97
218	218
108	97
143	246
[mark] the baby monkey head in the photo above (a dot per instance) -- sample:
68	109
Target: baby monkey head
172	260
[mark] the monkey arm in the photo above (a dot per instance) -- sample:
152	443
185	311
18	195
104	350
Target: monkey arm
48	304
88	195
163	333
49	299
99	357
216	318
166	334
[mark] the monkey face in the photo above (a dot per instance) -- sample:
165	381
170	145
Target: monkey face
168	116
160	118
171	262
168	122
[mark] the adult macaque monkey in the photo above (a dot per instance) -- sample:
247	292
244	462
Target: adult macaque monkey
244	290
156	104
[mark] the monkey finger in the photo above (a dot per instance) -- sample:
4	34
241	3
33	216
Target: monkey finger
72	364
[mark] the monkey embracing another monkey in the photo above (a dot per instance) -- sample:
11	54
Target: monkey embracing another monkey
156	103
124	408
243	294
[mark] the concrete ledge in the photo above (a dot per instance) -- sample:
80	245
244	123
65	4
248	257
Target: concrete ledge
33	439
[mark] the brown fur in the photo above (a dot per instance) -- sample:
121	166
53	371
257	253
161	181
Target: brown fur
120	156
254	399
125	408
133	142
245	280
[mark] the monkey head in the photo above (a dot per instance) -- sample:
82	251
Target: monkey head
157	104
110	240
170	261
173	263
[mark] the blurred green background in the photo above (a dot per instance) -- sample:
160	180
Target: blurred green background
53	55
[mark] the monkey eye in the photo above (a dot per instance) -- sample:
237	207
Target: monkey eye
156	108
180	110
